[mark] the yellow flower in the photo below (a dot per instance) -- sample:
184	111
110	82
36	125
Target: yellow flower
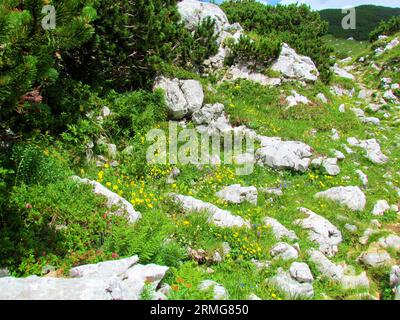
115	187
186	223
108	184
106	166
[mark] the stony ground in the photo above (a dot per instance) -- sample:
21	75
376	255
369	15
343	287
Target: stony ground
317	219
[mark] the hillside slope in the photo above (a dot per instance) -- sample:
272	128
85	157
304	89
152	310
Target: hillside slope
368	18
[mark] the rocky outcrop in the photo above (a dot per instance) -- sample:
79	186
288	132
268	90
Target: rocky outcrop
372	149
237	194
219	217
351	197
113	200
111	280
279	230
294	66
321	231
279	154
219	292
241	71
293	288
183	97
194	12
284	251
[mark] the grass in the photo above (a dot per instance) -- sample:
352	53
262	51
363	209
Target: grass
262	109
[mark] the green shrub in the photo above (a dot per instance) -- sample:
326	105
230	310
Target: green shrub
36	165
294	24
132	38
28	56
388	28
60	219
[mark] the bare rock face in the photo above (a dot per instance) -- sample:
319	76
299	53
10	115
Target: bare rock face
322	232
284	251
113	199
352	197
293	288
238	194
111	280
372	149
375	257
183	97
294	66
240	71
301	272
279	230
279	154
219	217
219	291
193	12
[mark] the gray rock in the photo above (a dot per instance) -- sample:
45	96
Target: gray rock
208	114
274	191
240	71
183	97
237	194
254	297
372	149
292	288
279	154
390	242
4	273
363	177
279	230
220	292
325	266
321	97
395	276
294	66
296	99
284	251
355	281
219	217
351	227
301	272
380	208
321	231
342	73
352	197
113	200
375	257
104	269
90	283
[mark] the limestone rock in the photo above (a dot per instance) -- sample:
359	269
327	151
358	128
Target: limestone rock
113	199
301	272
220	292
238	194
352	197
219	217
294	66
380	208
284	251
183	97
293	289
279	154
279	230
321	231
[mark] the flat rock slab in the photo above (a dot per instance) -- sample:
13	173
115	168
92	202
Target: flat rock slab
219	217
237	194
279	230
113	200
351	197
321	231
110	280
294	66
290	286
279	154
219	291
183	97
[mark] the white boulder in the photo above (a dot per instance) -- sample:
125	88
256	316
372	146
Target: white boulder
352	197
